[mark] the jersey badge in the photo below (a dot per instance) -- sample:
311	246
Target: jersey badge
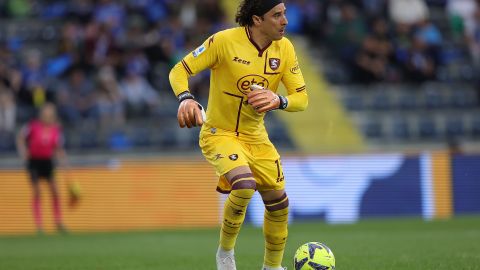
198	51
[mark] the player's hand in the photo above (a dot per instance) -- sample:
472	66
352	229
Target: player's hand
263	100
190	114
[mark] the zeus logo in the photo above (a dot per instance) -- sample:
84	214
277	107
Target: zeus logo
241	61
245	82
330	186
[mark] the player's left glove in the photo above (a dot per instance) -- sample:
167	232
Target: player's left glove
264	100
190	112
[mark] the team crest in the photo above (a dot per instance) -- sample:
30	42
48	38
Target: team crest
274	63
233	157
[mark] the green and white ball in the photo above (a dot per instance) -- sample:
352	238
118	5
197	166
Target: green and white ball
314	256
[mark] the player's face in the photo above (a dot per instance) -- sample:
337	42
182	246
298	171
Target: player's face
48	115
274	22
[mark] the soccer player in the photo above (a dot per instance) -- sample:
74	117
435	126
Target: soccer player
38	144
247	64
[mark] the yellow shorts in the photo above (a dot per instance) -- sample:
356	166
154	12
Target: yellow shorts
227	152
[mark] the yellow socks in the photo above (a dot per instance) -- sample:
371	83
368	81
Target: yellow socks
275	230
243	188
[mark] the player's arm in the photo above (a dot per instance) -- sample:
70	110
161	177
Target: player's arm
62	157
21	142
297	98
190	112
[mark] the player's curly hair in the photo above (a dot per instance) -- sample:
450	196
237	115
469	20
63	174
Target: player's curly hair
245	11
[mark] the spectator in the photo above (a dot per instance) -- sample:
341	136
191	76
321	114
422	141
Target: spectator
7	110
99	43
408	11
373	58
346	35
80	10
462	16
19	8
109	100
473	39
429	34
402	42
34	80
140	97
420	65
75	98
374	8
110	14
10	77
71	41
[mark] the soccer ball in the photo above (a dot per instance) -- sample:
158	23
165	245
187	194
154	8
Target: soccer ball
314	256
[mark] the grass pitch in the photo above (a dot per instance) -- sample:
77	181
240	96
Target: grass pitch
374	244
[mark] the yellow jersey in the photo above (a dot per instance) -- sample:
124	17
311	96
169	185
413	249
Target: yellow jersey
236	62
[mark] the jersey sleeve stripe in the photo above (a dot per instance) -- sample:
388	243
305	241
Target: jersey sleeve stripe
187	68
300	89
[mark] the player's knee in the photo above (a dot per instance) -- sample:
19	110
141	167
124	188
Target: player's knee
244	183
244	189
278	205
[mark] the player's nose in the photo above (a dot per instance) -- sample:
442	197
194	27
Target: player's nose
285	20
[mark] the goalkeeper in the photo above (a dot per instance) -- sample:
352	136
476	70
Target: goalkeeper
247	64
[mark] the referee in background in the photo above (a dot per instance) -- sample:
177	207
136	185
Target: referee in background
40	144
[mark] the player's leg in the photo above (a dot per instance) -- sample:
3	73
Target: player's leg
48	173
243	187
36	195
227	155
37	205
56	207
275	227
267	168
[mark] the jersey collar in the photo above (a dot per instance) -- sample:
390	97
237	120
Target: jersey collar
260	50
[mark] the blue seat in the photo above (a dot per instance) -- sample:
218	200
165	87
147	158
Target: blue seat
407	101
401	128
381	101
354	102
427	128
462	98
455	127
140	137
434	100
373	129
476	128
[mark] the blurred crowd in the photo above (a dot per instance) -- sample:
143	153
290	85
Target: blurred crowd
104	61
394	40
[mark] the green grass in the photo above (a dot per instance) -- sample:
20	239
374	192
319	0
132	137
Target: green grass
374	244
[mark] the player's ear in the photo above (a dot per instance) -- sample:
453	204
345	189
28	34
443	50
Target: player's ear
257	20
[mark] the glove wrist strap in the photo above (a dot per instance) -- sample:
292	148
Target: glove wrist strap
283	102
184	96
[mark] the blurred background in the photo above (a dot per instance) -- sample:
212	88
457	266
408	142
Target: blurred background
392	130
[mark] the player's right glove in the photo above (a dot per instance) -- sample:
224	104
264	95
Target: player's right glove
190	112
